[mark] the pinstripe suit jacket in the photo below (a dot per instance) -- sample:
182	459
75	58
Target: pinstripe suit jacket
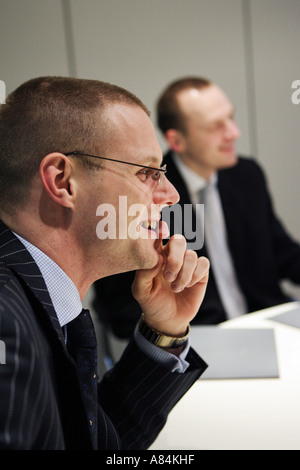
41	405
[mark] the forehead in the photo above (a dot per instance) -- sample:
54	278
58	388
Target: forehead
131	134
207	104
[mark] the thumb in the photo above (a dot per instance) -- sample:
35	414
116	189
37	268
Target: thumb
163	233
143	280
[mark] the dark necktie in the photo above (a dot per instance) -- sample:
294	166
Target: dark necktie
82	345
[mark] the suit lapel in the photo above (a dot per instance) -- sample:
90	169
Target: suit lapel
176	179
233	209
14	254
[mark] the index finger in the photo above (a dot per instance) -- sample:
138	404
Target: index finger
173	254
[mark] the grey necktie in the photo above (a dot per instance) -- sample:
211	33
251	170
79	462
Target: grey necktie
219	255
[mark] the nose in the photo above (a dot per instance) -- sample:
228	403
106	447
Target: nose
232	130
165	193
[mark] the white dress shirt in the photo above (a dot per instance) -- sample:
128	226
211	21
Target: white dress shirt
63	292
216	238
67	304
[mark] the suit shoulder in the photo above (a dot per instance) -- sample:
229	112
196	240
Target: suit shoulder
6	275
11	291
17	316
248	163
247	169
167	157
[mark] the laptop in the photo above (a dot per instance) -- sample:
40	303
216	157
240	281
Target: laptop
236	353
291	318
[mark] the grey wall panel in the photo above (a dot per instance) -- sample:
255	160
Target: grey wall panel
32	39
143	45
276	39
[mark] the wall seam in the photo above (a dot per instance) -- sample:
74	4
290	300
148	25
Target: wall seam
69	38
250	76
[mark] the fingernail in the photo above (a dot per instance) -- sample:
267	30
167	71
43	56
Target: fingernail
176	288
169	276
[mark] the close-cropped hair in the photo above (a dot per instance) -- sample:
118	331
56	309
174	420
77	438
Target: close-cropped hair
52	114
168	112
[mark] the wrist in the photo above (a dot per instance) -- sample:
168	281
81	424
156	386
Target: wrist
161	339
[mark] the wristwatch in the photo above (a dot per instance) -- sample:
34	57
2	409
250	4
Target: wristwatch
160	339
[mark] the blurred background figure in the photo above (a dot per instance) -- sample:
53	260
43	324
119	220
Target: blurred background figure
249	249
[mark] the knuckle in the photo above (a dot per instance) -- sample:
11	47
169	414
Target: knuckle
191	255
174	261
178	239
204	262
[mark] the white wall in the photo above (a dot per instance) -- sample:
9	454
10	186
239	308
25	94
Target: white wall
249	47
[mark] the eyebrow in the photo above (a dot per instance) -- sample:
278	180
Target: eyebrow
147	162
150	161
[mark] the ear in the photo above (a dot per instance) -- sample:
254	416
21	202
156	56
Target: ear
55	173
176	140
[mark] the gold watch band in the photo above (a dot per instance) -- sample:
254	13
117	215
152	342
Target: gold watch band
160	339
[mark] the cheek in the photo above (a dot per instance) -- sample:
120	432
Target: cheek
211	144
198	141
121	218
132	214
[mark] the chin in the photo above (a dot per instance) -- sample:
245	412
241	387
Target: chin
148	260
231	160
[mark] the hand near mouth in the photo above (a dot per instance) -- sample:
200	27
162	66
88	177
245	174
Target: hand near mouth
170	293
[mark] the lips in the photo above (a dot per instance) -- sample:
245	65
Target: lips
228	148
156	227
152	225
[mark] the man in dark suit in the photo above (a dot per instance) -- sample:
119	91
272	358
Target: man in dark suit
197	120
69	150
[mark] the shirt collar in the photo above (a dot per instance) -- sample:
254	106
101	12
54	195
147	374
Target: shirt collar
193	181
63	292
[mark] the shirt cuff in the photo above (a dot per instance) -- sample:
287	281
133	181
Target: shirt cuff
169	361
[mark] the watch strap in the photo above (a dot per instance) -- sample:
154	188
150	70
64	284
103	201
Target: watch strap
160	339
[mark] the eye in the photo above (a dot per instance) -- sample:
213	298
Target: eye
216	126
146	174
156	175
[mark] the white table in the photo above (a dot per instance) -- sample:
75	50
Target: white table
240	414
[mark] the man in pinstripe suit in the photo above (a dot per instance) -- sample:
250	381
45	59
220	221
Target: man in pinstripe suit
54	133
